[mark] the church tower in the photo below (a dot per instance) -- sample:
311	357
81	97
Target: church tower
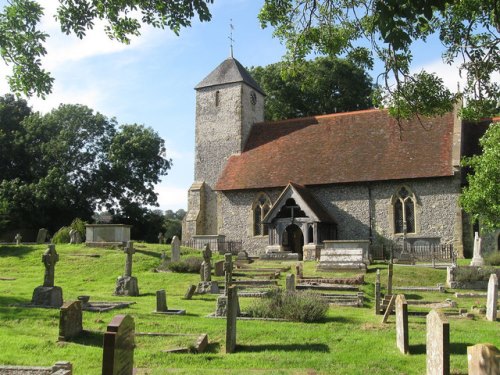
228	103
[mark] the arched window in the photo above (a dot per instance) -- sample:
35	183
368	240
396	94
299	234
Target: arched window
260	208
404	211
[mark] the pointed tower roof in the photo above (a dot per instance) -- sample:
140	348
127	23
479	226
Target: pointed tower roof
229	71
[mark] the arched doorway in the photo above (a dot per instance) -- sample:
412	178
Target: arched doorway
295	239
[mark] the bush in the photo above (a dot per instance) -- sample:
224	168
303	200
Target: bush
473	273
62	235
188	265
493	259
304	307
78	225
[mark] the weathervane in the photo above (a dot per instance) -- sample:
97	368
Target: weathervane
230	37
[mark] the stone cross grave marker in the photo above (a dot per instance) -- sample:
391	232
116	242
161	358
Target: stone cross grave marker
18	238
402	340
206	266
118	346
483	359
290	282
438	344
48	294
127	285
389	278
228	271
492	298
232	313
477	257
161	301
49	259
176	249
377	293
70	320
129	251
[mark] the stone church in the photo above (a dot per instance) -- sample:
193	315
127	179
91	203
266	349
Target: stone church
290	185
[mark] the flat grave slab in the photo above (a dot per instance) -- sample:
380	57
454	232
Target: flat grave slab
318	286
106	306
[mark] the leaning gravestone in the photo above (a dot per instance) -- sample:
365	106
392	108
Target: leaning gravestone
492	298
48	294
127	284
70	320
438	344
42	235
402	341
190	292
232	313
176	249
118	346
483	359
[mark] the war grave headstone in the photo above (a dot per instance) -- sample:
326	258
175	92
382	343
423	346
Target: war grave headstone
402	340
232	313
70	320
492	298
290	282
176	249
477	257
118	346
377	293
190	292
437	344
161	305
483	359
18	238
48	294
206	285
127	284
42	235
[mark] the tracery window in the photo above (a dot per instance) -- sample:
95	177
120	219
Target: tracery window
404	211
260	208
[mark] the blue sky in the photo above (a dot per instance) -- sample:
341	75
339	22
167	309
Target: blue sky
151	80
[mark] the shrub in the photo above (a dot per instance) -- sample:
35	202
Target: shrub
188	265
473	273
493	259
304	307
78	225
62	235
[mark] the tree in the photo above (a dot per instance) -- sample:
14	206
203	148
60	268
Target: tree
72	162
481	198
469	30
22	43
323	85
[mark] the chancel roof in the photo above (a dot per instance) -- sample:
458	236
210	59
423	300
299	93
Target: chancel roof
229	71
357	146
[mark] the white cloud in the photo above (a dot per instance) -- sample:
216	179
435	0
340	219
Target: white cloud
450	74
171	197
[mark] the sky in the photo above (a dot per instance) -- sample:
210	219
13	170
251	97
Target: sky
152	80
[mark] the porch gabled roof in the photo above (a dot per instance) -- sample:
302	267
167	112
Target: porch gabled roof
303	197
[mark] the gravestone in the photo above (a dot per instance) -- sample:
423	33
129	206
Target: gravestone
219	268
161	304
299	270
377	293
42	235
161	238
290	282
70	320
483	359
232	313
402	341
127	284
389	278
438	344
492	298
48	294
118	346
75	237
221	308
206	265
176	249
190	292
18	238
228	271
243	257
477	257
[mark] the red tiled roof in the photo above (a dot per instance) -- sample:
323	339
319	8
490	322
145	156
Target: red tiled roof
347	147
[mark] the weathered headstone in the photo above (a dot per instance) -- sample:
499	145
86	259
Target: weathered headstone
127	284
206	266
377	293
389	278
243	257
161	301
70	320
221	308
219	268
42	235
483	359
299	270
48	294
190	292
477	257
18	238
438	344
492	298
161	238
176	249
232	313
290	282
228	271
118	346
402	341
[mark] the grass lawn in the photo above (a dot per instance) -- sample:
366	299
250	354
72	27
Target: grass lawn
349	341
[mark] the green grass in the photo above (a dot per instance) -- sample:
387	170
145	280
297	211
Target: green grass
348	341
